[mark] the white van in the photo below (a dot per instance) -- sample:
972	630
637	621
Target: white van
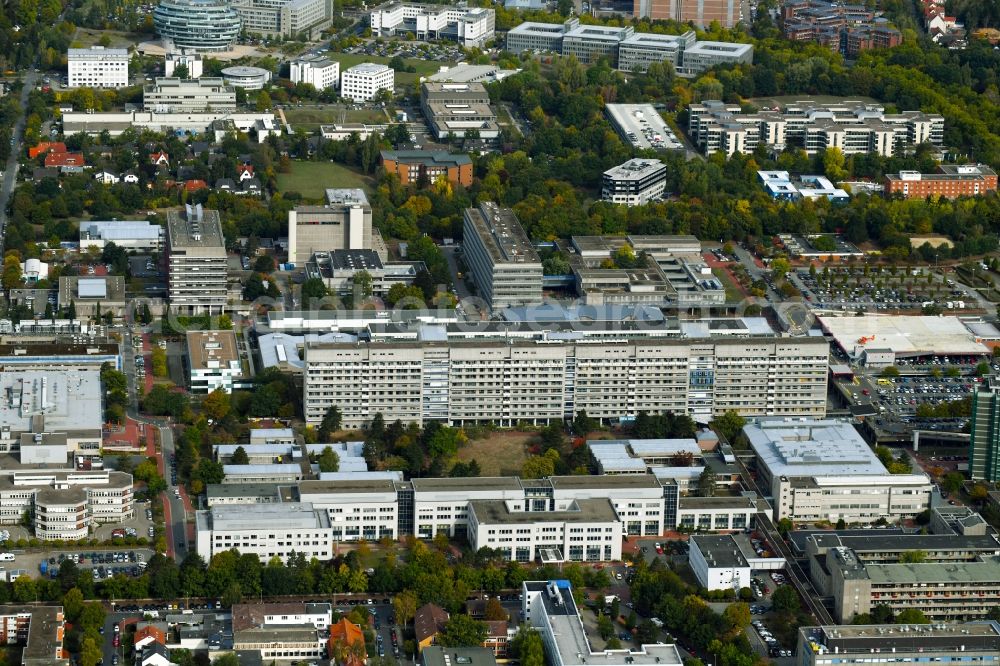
6	557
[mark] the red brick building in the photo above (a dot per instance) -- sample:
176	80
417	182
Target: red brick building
965	180
412	165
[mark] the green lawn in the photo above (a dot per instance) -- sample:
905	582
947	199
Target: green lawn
310	118
422	67
310	179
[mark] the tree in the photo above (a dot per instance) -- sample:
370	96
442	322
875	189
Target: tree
953	482
890	371
729	425
90	652
913	557
785	526
404	605
912	616
736	617
330	424
706	483
72	603
329	461
264	102
780	267
229	659
313	289
494	610
979	493
159	360
785	600
462	631
216	405
605	626
240	457
540	467
583	424
181	72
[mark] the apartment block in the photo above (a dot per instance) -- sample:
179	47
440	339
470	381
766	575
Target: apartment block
318	71
343	223
172	95
469	26
295	631
37	630
65	503
634	183
362	83
976	642
501	258
196	261
506	381
854	127
412	166
844	28
951	181
97	67
700	13
270	530
702	56
285	18
825	470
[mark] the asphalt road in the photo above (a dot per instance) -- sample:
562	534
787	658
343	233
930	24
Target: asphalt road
176	526
10	173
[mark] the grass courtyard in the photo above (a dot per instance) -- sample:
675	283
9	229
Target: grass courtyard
311	179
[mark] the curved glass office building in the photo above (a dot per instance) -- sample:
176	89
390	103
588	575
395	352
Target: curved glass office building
200	25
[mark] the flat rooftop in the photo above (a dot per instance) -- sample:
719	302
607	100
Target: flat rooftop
904	335
208	350
501	234
195	228
811	447
348	196
551	29
643	126
269	491
716	48
496	512
485	483
923	638
432	157
348	486
51	400
636	169
720	551
986	571
875	542
292	515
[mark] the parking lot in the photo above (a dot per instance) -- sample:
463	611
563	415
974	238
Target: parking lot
124	561
853	289
903	395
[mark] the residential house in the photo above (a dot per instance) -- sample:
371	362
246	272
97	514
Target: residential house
40	174
497	635
154	654
194	185
66	162
245	172
347	644
225	185
251	187
130	177
428	623
148	634
159	158
46	146
107	177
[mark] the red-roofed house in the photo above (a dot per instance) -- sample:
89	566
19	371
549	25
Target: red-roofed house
347	644
195	185
246	172
159	158
497	635
66	162
149	634
46	146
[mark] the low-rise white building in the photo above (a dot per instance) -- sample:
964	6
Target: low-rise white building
270	530
363	82
97	67
193	61
356	509
822	469
137	235
268	473
65	503
586	530
248	78
214	361
718	563
316	70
